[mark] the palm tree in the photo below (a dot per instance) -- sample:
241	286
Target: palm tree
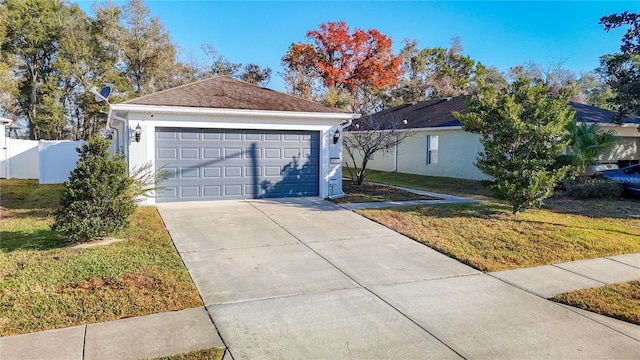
587	142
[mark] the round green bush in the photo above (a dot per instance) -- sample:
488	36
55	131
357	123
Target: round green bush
596	188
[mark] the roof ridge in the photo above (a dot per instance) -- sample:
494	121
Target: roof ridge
174	88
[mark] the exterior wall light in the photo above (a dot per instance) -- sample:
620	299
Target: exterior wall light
336	137
12	129
138	133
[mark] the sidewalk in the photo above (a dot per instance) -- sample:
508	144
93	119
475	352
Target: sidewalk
142	337
550	280
441	199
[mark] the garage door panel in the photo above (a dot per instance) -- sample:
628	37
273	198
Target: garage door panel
189	136
211	135
211	172
209	164
233	172
252	171
212	153
212	191
272	137
271	153
233	153
165	135
232	136
190	191
171	172
190	173
190	153
253	136
167	154
233	190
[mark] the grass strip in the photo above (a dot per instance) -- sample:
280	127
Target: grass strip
443	185
370	192
208	354
620	301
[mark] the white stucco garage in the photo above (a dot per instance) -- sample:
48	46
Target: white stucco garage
222	138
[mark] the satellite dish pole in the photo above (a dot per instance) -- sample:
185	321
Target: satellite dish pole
103	95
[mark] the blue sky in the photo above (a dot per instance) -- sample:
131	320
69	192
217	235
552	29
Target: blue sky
499	33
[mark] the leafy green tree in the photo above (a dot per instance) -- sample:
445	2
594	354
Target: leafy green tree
147	55
433	72
221	66
587	143
622	70
492	76
254	74
299	79
593	90
520	129
86	59
97	199
32	29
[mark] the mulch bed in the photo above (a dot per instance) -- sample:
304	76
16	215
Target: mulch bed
371	192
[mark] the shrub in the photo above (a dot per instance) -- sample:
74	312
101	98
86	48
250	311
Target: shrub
594	189
96	199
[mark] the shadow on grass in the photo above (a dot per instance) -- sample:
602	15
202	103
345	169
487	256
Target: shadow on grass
480	210
29	213
500	211
43	239
594	208
27	194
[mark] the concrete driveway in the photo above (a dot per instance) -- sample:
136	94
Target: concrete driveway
305	279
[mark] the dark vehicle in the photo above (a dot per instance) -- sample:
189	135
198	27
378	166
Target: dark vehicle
628	177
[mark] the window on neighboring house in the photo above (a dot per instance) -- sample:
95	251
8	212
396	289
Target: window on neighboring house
372	156
432	149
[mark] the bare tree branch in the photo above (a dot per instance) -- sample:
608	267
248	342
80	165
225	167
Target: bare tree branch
371	134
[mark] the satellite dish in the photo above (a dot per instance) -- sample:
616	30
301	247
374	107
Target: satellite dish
103	95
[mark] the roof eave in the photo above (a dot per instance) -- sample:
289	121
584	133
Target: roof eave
457	127
184	110
609	124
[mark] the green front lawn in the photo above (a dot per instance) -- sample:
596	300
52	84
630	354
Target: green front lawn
451	186
486	236
45	284
620	301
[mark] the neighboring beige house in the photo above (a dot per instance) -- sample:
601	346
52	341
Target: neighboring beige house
440	147
222	138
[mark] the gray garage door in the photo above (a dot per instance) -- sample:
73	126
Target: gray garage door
210	164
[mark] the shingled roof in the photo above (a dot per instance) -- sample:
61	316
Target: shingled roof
223	92
587	113
418	115
439	113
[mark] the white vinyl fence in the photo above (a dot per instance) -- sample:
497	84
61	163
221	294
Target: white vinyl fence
48	161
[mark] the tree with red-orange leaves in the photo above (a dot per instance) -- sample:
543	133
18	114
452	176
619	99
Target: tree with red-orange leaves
352	66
